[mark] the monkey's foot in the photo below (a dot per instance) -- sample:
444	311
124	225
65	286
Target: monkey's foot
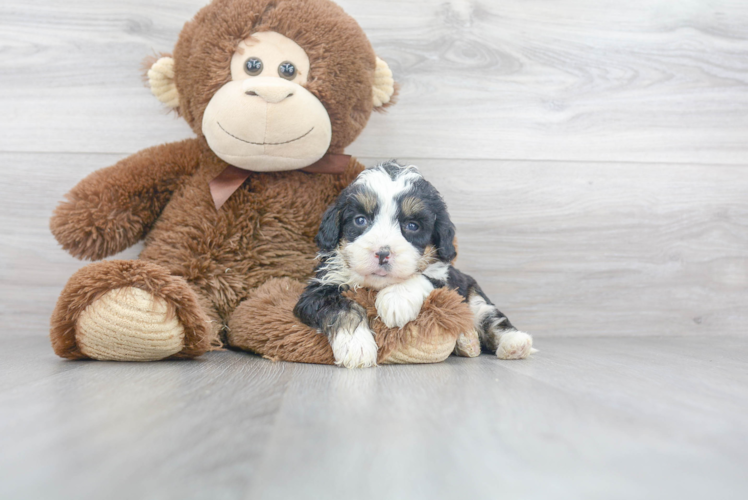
129	324
130	311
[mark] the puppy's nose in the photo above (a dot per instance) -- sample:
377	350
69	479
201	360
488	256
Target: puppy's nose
383	255
272	90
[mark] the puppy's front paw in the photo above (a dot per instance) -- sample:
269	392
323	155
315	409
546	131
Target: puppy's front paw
514	344
356	348
399	304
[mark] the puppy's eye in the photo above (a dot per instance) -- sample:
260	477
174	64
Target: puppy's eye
287	70
253	66
412	227
361	220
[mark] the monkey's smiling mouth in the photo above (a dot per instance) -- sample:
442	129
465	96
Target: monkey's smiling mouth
265	143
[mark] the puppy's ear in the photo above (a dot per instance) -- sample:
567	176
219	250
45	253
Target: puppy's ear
444	236
329	229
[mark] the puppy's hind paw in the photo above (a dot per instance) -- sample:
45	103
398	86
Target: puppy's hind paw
355	349
515	344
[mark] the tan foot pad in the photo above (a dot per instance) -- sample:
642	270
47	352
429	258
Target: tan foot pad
433	349
129	324
420	354
468	344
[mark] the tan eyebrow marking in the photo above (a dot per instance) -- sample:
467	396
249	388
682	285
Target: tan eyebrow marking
368	200
411	206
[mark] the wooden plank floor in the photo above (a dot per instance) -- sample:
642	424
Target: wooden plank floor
595	418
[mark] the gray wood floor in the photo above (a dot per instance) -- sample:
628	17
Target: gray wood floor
594	156
611	418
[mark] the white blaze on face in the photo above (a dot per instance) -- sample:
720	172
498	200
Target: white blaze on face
384	231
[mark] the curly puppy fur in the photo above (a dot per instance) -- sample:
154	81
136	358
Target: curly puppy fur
390	231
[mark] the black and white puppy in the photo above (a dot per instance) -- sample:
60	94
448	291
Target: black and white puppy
390	231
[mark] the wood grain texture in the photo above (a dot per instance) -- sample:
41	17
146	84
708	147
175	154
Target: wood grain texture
604	249
592	248
585	419
564	249
642	80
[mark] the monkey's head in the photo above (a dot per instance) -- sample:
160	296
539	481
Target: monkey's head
273	84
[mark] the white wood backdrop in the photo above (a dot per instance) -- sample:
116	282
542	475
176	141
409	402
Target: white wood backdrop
594	153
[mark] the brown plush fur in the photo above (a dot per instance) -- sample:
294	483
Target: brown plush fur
265	324
342	59
266	229
205	262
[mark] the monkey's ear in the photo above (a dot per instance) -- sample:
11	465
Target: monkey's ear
329	230
161	82
385	88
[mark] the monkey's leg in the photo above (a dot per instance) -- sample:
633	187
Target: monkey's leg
265	324
131	311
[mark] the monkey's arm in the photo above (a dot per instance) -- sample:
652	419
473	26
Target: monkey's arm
113	208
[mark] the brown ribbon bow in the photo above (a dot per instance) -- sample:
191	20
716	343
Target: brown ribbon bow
228	181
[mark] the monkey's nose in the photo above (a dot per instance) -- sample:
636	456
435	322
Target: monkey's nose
272	90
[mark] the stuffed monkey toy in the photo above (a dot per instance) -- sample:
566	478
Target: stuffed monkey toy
274	91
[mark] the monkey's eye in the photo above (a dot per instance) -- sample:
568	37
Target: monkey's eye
360	220
287	70
253	66
412	227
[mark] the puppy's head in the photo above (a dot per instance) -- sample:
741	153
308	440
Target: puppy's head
389	224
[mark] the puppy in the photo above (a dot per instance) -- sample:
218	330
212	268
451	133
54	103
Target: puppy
390	231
